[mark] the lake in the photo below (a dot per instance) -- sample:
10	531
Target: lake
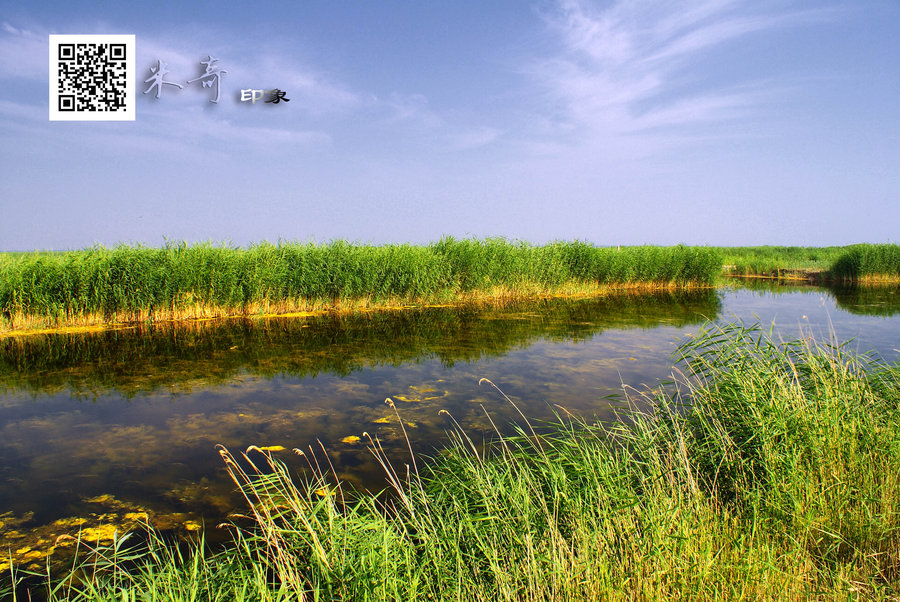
115	427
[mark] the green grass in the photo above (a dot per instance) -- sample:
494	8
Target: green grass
772	470
127	284
867	262
862	262
154	570
770	260
138	283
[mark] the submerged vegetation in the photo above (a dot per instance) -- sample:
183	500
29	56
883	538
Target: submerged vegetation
125	284
772	470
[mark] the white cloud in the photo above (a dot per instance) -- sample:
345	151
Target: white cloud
620	68
409	108
23	54
14	113
474	138
309	88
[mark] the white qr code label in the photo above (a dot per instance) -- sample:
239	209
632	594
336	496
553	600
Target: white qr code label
92	78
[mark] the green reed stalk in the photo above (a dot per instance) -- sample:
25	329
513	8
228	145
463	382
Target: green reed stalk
135	283
868	262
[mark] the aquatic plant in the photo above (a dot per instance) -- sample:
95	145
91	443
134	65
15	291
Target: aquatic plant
771	470
868	263
139	283
774	260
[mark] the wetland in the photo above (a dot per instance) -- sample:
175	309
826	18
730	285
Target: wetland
104	431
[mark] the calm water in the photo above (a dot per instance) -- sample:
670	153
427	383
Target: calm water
103	428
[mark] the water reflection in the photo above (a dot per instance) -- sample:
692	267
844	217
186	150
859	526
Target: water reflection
868	300
100	430
122	424
194	356
871	300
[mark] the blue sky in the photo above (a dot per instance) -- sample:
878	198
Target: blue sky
635	122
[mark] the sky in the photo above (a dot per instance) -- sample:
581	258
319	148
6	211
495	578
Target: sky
703	122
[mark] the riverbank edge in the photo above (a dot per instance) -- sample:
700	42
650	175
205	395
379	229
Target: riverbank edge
30	325
812	276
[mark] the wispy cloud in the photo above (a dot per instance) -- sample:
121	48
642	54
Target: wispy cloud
624	69
23	53
409	109
474	138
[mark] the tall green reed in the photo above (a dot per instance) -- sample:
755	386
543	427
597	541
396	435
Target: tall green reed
140	282
866	261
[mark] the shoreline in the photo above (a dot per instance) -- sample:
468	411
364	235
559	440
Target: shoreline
93	323
817	277
310	309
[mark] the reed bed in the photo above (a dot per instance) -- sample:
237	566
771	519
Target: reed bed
770	470
127	284
774	260
867	263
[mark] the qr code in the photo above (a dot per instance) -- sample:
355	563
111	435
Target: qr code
92	78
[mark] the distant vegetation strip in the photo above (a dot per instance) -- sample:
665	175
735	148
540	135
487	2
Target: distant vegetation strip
132	284
138	283
771	260
862	263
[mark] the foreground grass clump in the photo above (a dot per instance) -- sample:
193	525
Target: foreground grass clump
154	570
138	283
773	472
868	263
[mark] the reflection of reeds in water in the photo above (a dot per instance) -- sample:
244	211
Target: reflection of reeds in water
774	473
869	300
873	299
182	356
